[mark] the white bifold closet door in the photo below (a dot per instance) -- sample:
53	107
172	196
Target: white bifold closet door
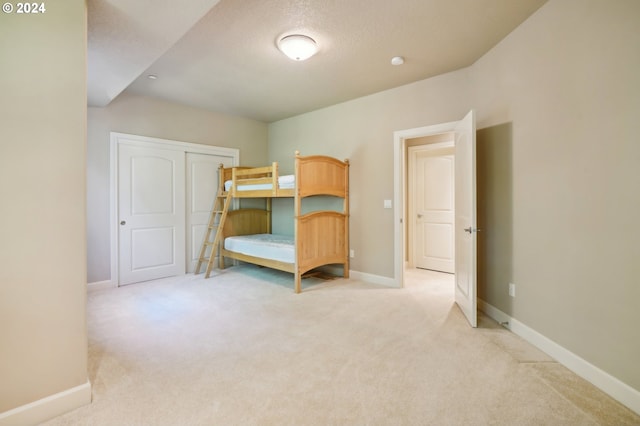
164	201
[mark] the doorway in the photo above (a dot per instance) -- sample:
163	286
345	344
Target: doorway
465	224
430	203
162	192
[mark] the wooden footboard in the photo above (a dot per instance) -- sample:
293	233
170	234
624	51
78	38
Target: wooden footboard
321	240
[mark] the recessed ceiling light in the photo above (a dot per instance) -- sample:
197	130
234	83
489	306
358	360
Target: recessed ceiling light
298	47
152	77
397	60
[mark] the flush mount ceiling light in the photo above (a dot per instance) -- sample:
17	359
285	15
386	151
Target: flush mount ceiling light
397	60
298	47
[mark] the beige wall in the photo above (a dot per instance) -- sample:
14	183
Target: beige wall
557	103
43	336
145	116
568	83
495	214
362	131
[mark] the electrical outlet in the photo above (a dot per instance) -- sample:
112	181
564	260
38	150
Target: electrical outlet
352	253
512	290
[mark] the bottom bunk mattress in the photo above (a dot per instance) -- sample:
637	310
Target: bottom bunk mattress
265	246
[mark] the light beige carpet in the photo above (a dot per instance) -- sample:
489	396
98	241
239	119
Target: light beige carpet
242	349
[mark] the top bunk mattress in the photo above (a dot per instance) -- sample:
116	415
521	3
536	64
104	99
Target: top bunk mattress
265	246
284	182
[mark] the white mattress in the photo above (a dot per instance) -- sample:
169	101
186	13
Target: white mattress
284	182
266	246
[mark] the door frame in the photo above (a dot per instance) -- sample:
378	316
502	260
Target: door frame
412	152
117	139
400	185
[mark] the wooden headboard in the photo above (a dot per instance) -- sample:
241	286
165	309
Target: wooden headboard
247	222
322	175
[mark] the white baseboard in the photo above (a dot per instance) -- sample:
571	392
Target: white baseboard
361	276
101	285
374	279
47	408
615	388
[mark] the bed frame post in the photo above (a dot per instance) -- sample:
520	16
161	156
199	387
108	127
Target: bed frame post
269	215
221	178
345	208
233	180
296	218
274	179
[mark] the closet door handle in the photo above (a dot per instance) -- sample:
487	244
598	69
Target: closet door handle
123	222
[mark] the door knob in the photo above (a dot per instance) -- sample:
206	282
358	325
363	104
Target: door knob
123	222
419	215
471	230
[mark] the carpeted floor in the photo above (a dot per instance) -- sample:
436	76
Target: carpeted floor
242	349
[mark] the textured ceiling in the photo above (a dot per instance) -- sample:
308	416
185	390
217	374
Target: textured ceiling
126	36
222	56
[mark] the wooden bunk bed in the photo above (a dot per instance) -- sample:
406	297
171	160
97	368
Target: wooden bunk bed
320	237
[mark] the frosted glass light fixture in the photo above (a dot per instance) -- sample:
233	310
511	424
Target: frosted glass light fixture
298	47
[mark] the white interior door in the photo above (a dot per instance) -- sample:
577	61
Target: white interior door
434	208
202	185
465	217
151	213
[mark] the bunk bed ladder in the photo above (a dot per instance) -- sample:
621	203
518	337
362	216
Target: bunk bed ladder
216	225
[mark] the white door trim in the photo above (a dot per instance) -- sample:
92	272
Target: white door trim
400	189
144	141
